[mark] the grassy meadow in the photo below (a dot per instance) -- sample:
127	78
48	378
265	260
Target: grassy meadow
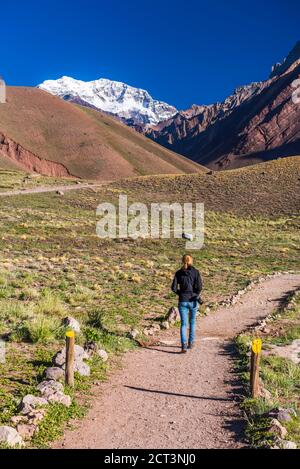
52	265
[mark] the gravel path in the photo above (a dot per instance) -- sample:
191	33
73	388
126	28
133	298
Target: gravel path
40	190
163	399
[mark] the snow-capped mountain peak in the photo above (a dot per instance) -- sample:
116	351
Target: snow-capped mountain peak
113	97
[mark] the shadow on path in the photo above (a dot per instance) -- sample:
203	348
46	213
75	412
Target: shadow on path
156	391
236	423
164	351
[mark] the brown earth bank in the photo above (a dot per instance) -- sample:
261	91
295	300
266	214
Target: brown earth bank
39	129
271	188
27	161
162	399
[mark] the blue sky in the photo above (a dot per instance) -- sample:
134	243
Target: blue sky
182	52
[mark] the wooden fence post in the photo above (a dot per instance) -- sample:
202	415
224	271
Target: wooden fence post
70	356
254	371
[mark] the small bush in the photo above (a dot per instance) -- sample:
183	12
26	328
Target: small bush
42	330
29	294
50	303
96	318
81	295
10	311
92	335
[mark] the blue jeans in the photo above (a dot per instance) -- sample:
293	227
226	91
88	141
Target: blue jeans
188	311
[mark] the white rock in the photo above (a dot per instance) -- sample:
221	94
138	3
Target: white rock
134	333
26	431
165	325
18	419
10	436
82	368
47	388
60	398
288	445
103	355
173	315
277	428
264	393
80	354
36	416
31	402
71	323
54	373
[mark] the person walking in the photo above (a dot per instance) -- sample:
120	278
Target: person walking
187	284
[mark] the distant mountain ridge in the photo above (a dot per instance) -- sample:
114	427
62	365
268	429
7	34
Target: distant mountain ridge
256	123
292	57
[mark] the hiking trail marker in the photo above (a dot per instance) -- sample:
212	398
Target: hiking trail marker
70	356
254	370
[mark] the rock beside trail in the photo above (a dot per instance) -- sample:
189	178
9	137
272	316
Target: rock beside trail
36	416
288	445
90	348
82	368
133	333
10	437
152	330
53	391
30	402
26	431
54	373
282	414
60	398
71	323
16	419
103	355
47	388
165	325
60	358
173	315
277	428
290	351
265	394
80	354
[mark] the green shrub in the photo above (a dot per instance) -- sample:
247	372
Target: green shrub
10	311
81	295
50	304
92	335
95	318
29	294
40	329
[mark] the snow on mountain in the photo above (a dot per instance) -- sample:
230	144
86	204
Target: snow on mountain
113	97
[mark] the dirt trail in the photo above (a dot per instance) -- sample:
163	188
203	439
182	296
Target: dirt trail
163	399
40	190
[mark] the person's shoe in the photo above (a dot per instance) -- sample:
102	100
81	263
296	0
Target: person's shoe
191	345
184	348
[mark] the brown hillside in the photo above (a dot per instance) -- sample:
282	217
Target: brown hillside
40	132
271	188
241	131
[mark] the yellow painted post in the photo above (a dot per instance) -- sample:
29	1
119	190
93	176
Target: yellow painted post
70	356
254	371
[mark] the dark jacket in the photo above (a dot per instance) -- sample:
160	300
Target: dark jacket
187	284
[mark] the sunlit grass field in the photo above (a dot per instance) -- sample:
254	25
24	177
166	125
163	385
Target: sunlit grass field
53	264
